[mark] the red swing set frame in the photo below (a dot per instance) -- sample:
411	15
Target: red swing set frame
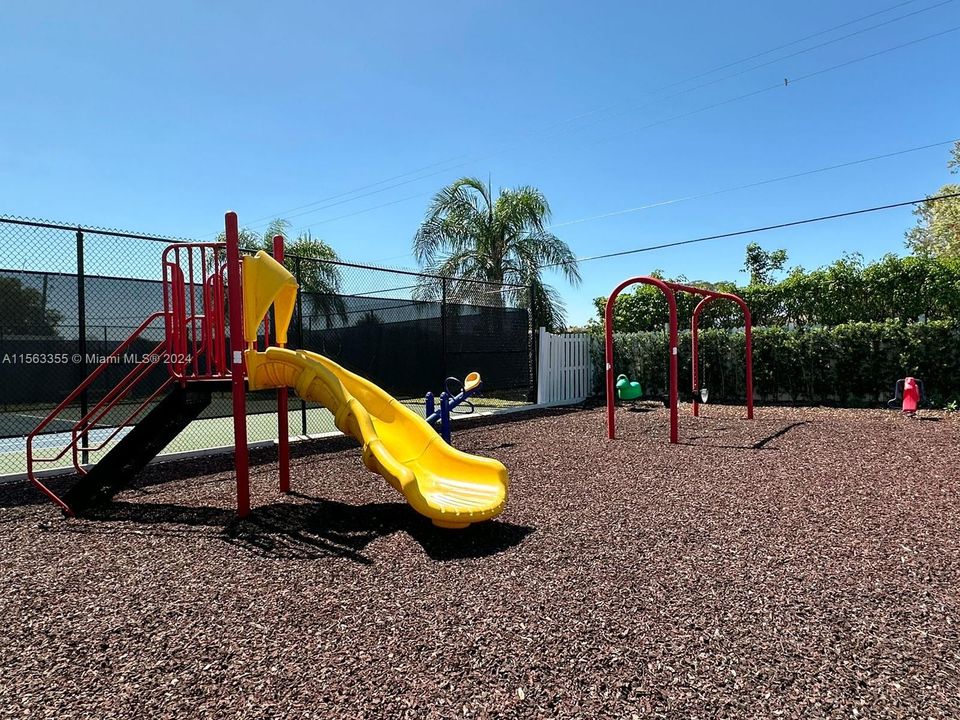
669	290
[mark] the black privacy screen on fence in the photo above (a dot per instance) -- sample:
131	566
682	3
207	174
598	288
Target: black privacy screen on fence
71	296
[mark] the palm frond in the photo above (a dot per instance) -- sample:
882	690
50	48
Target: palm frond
548	251
456	214
277	226
546	307
523	209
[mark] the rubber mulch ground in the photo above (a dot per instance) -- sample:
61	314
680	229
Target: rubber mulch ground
803	565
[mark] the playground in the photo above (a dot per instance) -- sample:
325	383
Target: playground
653	557
552	361
802	564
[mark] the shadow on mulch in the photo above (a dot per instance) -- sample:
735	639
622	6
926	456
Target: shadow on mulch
760	444
304	531
22	493
644	406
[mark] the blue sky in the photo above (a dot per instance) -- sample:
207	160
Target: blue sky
159	118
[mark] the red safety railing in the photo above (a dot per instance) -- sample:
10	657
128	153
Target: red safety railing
195	300
200	282
80	429
194	348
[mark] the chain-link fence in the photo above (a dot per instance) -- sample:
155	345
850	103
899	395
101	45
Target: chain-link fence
69	296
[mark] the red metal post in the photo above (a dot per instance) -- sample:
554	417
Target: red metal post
674	399
237	370
608	332
283	429
748	336
190	290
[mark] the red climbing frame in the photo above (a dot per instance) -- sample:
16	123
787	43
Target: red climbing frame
669	290
201	343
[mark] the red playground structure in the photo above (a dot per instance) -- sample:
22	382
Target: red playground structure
669	290
201	352
217	332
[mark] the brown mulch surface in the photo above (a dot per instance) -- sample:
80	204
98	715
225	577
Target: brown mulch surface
803	565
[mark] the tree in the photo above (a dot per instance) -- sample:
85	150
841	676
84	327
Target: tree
937	232
761	264
311	260
470	235
23	310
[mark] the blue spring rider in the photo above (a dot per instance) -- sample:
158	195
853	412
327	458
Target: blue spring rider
455	393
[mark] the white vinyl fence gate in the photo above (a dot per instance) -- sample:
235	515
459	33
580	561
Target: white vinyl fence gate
563	368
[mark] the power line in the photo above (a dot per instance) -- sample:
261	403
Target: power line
751	231
362	187
747	186
850	35
711	106
374	192
767	63
696	111
792	43
466	159
365	210
877	54
780	85
260	222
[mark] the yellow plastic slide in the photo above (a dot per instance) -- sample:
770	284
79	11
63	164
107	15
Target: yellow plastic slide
450	487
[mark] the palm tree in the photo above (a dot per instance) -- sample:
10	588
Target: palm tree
312	261
468	235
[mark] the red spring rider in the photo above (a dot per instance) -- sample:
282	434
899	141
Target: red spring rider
909	393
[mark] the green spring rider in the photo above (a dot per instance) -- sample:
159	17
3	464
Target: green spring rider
628	389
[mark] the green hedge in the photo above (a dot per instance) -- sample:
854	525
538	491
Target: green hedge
849	364
901	288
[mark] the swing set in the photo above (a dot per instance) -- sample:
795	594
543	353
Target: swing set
669	290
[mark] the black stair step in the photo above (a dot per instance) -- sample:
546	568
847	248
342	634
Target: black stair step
138	447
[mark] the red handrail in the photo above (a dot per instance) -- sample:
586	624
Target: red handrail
106	403
85	423
80	425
